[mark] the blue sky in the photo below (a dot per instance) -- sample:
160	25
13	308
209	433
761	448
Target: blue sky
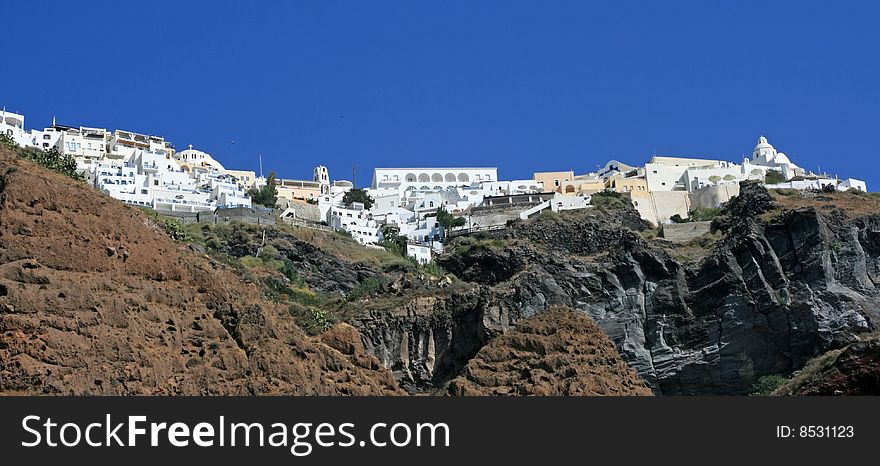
525	86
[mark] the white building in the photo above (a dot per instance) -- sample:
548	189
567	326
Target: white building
12	125
197	161
357	221
431	178
851	183
765	155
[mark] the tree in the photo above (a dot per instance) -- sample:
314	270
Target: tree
357	195
774	177
715	179
729	177
8	142
392	241
447	220
266	195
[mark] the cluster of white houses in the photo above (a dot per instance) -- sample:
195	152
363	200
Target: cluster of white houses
139	169
146	170
668	186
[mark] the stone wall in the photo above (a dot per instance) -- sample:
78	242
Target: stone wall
713	196
683	232
496	215
243	214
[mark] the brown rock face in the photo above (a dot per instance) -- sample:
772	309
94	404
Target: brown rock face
95	299
855	371
557	352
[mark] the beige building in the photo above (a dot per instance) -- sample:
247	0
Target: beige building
657	207
560	182
247	178
299	189
621	184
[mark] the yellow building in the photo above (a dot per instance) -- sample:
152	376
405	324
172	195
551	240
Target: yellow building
622	184
560	182
299	189
247	178
588	184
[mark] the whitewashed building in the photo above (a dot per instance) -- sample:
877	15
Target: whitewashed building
12	125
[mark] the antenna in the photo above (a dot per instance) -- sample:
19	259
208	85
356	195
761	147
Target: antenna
261	165
354	176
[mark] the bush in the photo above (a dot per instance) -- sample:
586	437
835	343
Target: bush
608	201
266	195
268	252
433	268
8	143
288	269
548	215
175	229
447	220
703	214
365	288
767	384
357	195
785	191
313	320
51	159
774	177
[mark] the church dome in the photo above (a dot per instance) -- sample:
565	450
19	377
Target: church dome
782	159
763	144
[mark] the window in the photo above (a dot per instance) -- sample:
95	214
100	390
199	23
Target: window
664	184
655	171
155	182
556	183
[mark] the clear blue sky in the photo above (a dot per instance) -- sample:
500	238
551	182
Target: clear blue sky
525	86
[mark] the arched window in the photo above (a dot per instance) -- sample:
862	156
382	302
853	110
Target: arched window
462	177
424	177
410	177
436	177
450	178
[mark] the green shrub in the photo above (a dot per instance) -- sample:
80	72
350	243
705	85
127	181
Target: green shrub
51	159
767	384
608	201
323	319
313	320
176	230
8	143
774	177
268	252
785	191
548	214
704	214
365	288
288	269
433	268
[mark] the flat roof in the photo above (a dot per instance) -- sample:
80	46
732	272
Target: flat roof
439	168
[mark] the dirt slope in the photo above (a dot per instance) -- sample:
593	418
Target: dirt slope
94	299
556	352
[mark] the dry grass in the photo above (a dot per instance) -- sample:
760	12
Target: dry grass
342	246
691	252
815	369
854	204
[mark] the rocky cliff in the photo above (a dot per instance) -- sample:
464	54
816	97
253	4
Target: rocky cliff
558	352
96	299
784	284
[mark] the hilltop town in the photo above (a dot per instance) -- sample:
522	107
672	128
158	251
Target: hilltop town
415	209
558	285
